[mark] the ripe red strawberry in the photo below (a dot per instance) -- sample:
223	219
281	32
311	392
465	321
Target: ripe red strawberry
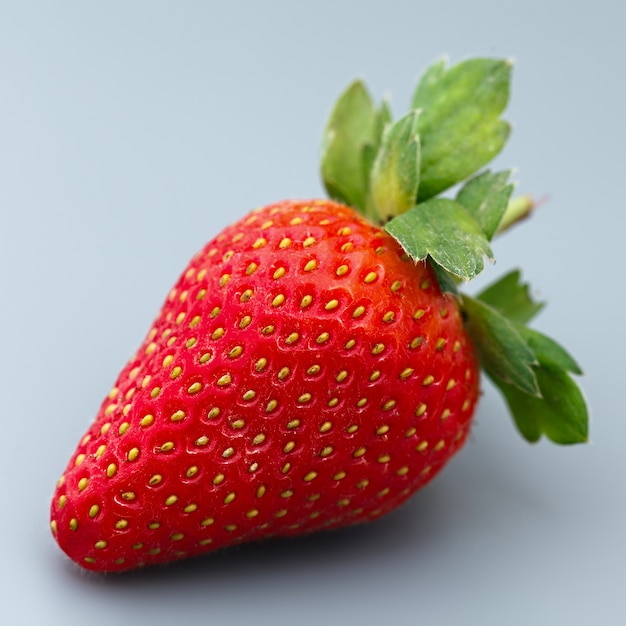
304	373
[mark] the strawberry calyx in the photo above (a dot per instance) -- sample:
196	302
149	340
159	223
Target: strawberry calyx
395	172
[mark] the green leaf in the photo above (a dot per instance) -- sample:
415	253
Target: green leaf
511	297
501	349
447	282
486	197
560	413
549	352
460	127
394	176
353	124
443	229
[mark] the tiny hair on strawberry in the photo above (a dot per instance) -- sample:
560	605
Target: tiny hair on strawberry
319	361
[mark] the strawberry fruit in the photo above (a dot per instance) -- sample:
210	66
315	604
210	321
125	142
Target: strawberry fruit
311	368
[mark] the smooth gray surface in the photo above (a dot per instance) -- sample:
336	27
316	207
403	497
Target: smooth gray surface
131	132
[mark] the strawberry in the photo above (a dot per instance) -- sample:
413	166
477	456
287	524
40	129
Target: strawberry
312	368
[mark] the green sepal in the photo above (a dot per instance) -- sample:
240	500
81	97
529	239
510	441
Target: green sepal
560	413
353	124
548	352
442	229
511	297
459	126
501	348
394	177
486	197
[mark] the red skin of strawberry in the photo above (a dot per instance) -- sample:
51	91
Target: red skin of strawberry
303	374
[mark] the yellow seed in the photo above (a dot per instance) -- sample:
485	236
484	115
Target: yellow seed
358	452
238	424
279	273
292	338
224	279
343	502
313	370
190	508
62	501
308	242
310	265
286	467
327	451
215	312
378	348
429	380
271	406
387	406
293	424
105	428
195	321
406	372
445	414
352	429
100	545
145	381
218	479
344	232
82	484
202	273
167	446
362	402
440	344
235	352
155	480
350	344
306	301
228	452
53	526
224	380
253	467
323	338
208	521
230	497
278	300
191	471
333	402
202	441
258	440
205	542
358	311
218	333
385	458
466	405
260	492
133	453
201	293
213	413
252	513
410	432
110	409
370	277
309	476
124	426
154	525
421	446
94	510
388	317
246	295
79	459
289	446
396	286
331	304
305	397
383	492
285	243
287	493
171	500
283	373
129	496
440	445
421	409
178	416
194	388
74	524
342	270
382	430
153	394
451	384
325	427
375	375
89	559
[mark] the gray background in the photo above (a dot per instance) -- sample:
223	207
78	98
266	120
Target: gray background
132	132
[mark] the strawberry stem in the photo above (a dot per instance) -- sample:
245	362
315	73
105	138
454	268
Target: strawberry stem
517	210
